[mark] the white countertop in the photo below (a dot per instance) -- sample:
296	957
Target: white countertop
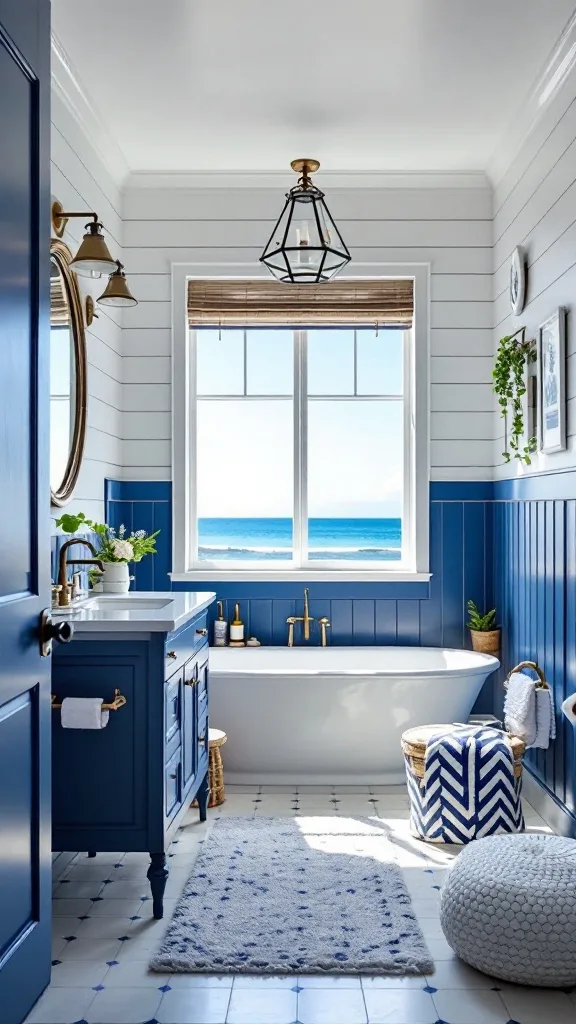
140	611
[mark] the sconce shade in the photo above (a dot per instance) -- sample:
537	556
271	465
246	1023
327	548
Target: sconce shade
93	256
305	247
117	292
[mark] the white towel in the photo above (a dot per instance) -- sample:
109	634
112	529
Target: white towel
520	707
545	718
83	713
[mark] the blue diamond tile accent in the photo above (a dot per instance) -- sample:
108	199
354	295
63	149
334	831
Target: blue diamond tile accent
81	1021
165	988
153	1021
118	865
69	938
95	899
123	938
56	962
84	917
296	988
98	988
135	918
429	989
512	1022
112	963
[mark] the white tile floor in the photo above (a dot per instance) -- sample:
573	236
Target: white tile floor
103	937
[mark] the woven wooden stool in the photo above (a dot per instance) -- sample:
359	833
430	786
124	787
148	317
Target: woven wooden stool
216	739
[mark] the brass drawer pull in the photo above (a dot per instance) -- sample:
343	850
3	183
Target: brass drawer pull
173	775
190	682
202	740
171	654
202	632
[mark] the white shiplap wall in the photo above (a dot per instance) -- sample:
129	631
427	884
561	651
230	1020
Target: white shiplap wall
535	207
450	227
81	182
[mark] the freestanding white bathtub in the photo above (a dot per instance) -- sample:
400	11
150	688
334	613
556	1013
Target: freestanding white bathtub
335	714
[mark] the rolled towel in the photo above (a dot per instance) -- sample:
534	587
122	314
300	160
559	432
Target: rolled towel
545	718
520	707
83	713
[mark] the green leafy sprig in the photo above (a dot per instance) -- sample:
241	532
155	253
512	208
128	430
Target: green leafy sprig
142	543
478	622
513	355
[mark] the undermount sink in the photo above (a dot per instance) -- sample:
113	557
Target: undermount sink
128	603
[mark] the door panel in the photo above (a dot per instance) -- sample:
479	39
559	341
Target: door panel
25	856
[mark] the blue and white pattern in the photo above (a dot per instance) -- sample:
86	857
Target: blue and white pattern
282	895
468	790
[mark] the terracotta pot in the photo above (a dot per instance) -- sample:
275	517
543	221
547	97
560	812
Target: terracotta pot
487	642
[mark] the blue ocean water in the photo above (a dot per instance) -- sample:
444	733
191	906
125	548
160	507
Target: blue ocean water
271	539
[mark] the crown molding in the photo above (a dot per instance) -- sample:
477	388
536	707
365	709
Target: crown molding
67	85
211	180
552	78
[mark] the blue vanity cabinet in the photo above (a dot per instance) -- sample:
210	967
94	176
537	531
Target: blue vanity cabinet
128	786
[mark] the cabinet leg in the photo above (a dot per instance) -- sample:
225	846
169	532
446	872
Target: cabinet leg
91	853
157	875
203	796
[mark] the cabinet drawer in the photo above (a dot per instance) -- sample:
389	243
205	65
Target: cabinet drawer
183	645
173	783
173	704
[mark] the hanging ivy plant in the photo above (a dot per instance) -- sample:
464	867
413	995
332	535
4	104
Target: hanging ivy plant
509	375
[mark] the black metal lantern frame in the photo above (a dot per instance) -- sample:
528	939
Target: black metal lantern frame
305	247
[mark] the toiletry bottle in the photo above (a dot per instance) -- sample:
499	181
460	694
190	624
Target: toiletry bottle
237	629
220	628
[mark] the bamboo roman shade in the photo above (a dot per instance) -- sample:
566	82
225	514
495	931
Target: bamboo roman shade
223	302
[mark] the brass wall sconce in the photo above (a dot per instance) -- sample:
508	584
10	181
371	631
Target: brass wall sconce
93	258
117	292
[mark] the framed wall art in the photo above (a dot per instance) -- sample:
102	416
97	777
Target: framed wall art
552	383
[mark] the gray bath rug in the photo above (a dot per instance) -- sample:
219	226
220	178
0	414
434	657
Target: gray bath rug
295	895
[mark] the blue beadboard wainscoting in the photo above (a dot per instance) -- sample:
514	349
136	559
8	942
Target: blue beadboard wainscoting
360	613
535	591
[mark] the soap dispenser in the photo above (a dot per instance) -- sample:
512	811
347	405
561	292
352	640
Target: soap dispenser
220	628
237	629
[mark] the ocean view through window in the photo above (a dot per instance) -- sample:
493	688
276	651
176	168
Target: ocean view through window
300	447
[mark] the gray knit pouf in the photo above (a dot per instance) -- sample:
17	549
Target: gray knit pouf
508	908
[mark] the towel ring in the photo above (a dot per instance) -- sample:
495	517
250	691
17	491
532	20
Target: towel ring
535	668
118	702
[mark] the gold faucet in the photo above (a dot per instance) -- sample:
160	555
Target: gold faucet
64	593
306	620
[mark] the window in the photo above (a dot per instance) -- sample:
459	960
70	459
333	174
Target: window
300	452
300	447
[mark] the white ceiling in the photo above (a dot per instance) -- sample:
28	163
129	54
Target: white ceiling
192	85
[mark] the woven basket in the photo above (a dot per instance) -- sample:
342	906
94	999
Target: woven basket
414	747
485	642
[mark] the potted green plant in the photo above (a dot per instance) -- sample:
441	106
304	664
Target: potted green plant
484	632
115	548
514	355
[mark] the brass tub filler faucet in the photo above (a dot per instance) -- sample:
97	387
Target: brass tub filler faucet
306	619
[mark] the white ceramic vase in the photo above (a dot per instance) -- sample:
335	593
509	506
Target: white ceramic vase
115	578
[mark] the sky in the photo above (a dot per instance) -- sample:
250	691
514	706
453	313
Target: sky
245	445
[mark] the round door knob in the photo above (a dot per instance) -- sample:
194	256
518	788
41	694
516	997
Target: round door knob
202	632
61	631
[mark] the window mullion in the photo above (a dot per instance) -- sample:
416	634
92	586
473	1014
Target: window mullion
303	447
300	421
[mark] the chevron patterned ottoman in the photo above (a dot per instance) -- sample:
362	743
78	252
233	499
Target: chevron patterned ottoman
464	782
508	908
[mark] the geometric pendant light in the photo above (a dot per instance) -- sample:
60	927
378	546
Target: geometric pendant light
305	247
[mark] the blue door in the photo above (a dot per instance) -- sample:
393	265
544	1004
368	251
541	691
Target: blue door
25	856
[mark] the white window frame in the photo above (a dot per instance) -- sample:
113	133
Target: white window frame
415	521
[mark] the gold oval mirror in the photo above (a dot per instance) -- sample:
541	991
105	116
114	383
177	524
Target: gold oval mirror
67	376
